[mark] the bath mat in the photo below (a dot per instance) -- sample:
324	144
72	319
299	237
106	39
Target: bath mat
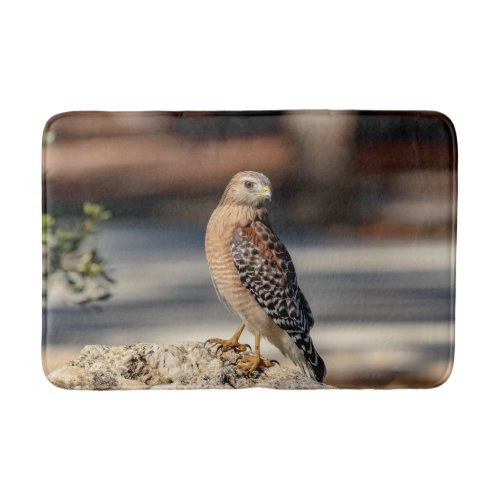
280	249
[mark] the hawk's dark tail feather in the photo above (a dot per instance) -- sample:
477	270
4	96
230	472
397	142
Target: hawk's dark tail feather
319	369
315	364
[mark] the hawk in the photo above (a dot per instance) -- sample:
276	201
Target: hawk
254	276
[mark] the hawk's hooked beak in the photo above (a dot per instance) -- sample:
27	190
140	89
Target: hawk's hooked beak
265	193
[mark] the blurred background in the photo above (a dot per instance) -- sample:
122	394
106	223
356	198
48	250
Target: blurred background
364	201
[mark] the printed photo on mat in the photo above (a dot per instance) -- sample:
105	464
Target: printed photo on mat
284	249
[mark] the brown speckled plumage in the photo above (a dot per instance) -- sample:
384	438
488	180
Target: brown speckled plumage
253	272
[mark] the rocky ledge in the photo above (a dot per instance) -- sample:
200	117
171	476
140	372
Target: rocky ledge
187	365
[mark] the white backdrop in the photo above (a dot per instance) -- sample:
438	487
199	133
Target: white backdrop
61	56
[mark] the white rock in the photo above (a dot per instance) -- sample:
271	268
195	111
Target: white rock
187	365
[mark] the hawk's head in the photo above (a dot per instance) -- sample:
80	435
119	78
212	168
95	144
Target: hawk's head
248	188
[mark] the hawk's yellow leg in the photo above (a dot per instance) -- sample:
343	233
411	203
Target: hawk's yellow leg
232	343
252	363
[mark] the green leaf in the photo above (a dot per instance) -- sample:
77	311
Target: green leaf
47	220
48	137
105	215
92	210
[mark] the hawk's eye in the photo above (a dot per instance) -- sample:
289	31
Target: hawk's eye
249	184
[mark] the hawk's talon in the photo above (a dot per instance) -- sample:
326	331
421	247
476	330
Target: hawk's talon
227	345
253	363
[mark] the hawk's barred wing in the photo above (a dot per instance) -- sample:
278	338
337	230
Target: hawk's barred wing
266	269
